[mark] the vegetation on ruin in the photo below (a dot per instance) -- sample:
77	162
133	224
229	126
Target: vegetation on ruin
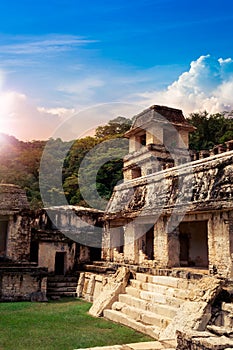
20	161
60	325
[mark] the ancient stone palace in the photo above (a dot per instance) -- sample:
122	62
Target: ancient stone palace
159	259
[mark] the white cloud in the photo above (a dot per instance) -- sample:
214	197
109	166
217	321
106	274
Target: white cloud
208	85
60	112
49	43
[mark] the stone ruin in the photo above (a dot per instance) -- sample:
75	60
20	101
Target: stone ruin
170	224
20	279
166	263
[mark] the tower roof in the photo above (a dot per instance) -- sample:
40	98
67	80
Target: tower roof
162	115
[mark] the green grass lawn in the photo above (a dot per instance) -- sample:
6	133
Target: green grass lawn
60	325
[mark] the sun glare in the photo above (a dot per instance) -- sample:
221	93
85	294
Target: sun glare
4	112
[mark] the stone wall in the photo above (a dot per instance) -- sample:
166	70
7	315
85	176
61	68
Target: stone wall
12	199
202	341
47	253
20	283
15	213
19	236
90	285
205	185
199	191
79	224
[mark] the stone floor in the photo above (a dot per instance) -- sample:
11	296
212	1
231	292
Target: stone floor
153	345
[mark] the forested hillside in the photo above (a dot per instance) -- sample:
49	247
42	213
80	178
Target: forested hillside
20	161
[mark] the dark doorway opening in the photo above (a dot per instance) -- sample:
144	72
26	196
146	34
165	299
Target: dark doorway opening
119	238
193	239
95	254
184	249
3	237
34	252
60	263
150	243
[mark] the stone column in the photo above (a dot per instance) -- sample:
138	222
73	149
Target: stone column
166	244
173	248
130	252
160	243
219	243
106	242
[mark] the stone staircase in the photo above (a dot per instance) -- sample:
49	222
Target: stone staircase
150	303
61	286
99	267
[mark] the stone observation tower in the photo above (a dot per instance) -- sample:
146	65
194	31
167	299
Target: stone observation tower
157	134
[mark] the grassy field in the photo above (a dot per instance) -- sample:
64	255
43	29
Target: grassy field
60	325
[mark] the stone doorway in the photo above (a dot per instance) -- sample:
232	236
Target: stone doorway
3	237
60	263
193	239
34	251
148	243
95	254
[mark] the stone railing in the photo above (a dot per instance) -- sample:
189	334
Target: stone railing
218	149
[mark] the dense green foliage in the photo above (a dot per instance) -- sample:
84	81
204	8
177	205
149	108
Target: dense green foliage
60	325
20	164
91	166
211	130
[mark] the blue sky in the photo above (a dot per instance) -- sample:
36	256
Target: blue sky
58	57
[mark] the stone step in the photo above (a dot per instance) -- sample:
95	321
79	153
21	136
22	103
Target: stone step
62	279
167	281
61	284
59	293
119	317
145	317
99	263
61	289
162	289
98	268
160	309
154	297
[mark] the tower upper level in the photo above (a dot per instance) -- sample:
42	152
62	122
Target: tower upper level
156	133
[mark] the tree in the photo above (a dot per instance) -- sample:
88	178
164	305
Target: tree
210	130
115	128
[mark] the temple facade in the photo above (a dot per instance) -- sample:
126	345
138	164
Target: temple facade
175	207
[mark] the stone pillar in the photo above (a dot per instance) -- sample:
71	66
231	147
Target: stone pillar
173	248
106	243
154	135
219	243
132	144
166	244
183	139
160	243
130	252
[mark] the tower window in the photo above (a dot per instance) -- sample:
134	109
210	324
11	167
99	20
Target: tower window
143	139
136	172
